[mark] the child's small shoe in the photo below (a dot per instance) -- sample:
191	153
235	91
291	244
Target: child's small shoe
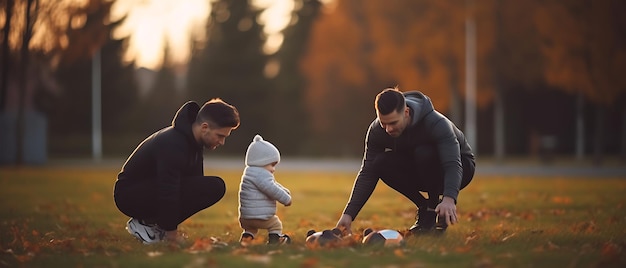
246	238
285	239
278	239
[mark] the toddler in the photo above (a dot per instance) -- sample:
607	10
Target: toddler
259	191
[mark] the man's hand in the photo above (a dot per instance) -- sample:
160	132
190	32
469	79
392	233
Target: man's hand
447	209
344	224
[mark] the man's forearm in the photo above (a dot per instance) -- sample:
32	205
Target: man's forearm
361	192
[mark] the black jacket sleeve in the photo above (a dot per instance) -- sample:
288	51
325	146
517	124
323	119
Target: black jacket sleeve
366	180
449	150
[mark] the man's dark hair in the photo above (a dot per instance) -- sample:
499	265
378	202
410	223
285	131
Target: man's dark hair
389	100
218	114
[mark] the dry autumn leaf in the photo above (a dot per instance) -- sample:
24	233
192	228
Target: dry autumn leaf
201	245
561	200
309	263
611	250
508	237
258	258
153	254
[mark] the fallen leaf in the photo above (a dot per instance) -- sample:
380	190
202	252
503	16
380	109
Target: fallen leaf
584	227
199	261
239	251
508	255
153	254
471	237
557	212
507	237
483	262
464	249
218	243
274	252
25	257
264	259
529	216
201	245
561	200
443	251
552	246
610	250
309	262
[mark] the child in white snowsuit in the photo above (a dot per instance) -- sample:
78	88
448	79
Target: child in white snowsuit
259	191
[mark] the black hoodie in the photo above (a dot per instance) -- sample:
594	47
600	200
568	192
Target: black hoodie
427	126
162	160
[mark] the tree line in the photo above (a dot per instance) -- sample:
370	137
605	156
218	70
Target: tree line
548	73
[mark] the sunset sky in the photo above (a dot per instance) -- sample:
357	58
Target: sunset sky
151	24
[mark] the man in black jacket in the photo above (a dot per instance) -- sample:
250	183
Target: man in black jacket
413	148
162	182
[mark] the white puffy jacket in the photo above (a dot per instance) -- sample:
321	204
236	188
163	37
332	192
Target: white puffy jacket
258	193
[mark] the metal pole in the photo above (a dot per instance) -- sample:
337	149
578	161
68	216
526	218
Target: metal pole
96	108
580	127
470	79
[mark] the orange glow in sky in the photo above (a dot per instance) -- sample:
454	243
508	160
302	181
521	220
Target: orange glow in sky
153	24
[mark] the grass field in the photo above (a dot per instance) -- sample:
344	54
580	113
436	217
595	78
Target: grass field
65	217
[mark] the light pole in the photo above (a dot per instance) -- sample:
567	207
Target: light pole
96	107
470	76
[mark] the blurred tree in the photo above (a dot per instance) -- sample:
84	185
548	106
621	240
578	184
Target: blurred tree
120	99
25	70
45	36
515	63
30	9
583	47
341	80
585	53
361	47
231	67
421	44
88	30
6	51
162	101
287	106
525	51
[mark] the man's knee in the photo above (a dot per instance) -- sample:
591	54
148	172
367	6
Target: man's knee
209	189
469	168
217	186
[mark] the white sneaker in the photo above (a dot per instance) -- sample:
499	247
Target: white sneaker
147	234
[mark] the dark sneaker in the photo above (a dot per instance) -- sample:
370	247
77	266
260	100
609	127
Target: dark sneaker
278	239
246	238
426	221
441	225
285	239
146	233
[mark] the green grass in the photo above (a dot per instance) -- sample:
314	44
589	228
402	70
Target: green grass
66	217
